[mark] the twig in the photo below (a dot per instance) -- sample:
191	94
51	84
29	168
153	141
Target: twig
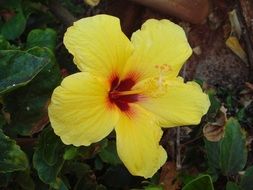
178	156
178	146
61	13
191	141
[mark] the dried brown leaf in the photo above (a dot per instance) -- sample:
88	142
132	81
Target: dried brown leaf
215	131
249	85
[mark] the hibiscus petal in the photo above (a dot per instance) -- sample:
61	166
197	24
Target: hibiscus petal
159	44
78	110
98	45
138	146
177	103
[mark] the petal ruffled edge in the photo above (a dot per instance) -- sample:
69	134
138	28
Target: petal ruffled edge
160	48
98	45
177	103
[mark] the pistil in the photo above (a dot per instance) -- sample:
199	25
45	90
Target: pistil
130	92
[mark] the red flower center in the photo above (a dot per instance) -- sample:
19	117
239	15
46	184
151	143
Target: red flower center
117	95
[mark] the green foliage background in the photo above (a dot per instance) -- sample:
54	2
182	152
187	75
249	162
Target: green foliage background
33	62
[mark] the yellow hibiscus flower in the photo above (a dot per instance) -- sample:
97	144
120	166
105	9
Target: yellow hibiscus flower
130	86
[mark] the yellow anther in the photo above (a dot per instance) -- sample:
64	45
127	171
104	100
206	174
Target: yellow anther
155	88
163	68
166	68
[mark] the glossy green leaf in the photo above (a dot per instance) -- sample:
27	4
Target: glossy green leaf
70	153
4	44
215	104
13	28
232	186
42	38
48	157
98	164
109	154
28	105
17	68
51	146
233	152
247	179
200	183
59	185
213	153
79	169
12	158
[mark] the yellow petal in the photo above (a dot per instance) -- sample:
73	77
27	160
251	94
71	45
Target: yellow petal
78	110
98	45
138	146
178	103
160	47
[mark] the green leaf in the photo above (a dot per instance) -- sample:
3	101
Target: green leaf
14	27
42	38
59	184
12	158
214	173
70	153
117	177
215	104
233	152
83	173
153	187
17	68
241	114
4	44
109	154
200	183
213	153
98	164
51	146
246	181
48	156
232	186
77	168
28	105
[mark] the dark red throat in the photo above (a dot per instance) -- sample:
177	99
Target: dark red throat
117	86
